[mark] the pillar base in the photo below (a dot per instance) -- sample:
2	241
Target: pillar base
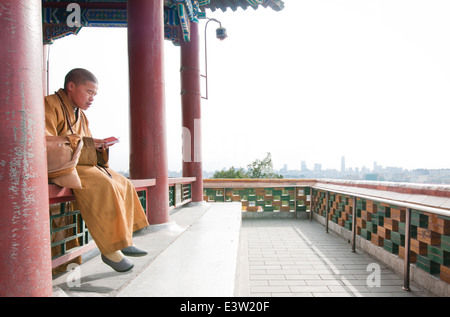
197	203
169	226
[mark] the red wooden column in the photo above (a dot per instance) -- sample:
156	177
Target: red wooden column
25	256
148	148
191	112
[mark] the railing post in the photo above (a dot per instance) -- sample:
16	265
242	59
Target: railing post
407	250
354	225
311	208
326	210
295	200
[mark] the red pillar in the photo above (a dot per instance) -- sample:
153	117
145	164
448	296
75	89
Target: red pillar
191	112
148	149
25	257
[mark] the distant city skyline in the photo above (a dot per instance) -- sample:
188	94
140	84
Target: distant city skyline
376	173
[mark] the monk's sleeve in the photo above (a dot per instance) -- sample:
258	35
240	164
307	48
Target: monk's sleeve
85	121
53	117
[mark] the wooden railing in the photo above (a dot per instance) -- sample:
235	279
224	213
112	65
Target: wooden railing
70	236
67	228
180	191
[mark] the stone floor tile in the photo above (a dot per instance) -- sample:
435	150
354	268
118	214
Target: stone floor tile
269	289
291	258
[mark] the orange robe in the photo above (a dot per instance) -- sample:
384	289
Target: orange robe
108	204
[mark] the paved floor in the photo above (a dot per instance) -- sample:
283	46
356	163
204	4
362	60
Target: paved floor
209	251
195	255
201	262
291	257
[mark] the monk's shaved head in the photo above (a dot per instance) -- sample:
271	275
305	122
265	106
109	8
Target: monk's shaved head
79	76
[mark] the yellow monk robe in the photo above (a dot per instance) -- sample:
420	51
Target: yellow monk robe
109	205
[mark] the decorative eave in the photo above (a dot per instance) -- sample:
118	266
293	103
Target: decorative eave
112	13
223	5
178	14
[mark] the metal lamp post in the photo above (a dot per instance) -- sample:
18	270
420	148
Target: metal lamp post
221	34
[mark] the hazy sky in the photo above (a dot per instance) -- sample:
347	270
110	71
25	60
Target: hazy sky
364	79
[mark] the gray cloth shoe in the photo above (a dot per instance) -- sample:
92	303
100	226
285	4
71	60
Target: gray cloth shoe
123	266
133	250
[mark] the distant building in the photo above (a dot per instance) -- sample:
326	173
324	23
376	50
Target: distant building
304	169
371	177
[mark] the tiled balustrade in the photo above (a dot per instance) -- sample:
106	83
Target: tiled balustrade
383	220
274	195
383	213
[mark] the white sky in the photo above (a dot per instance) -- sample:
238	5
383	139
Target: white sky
364	79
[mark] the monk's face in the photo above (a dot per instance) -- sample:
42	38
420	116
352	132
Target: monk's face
82	96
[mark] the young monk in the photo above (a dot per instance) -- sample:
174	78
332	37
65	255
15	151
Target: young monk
107	201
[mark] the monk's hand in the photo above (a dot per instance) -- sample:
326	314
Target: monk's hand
100	145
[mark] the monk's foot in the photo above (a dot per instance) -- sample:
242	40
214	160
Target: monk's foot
117	261
116	256
133	250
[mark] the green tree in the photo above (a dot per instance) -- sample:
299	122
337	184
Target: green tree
262	168
231	173
258	169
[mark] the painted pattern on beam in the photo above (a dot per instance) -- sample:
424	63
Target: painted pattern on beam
178	14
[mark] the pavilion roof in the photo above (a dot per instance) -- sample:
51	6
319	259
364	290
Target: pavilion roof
113	13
